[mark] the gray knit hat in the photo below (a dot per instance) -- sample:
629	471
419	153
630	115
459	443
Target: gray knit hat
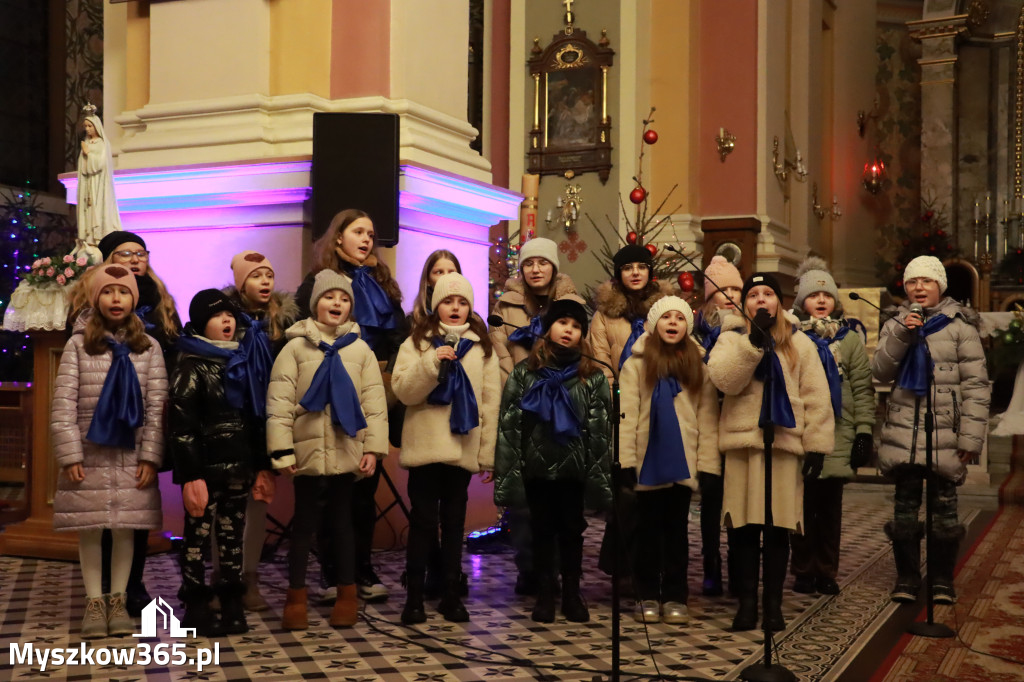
326	280
814	277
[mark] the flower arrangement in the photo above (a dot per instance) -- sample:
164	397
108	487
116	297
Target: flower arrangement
61	269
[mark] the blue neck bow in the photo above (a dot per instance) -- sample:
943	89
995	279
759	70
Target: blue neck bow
525	336
332	384
376	314
775	406
457	392
143	312
828	361
119	410
236	375
549	400
916	366
636	328
255	345
708	335
665	458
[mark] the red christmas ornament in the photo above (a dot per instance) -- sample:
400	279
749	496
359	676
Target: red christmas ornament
652	248
650	137
929	215
686	281
899	267
926	235
638	195
941	233
631	238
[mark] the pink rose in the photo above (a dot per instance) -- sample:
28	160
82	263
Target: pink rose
82	261
68	272
49	272
61	280
68	258
47	261
36	263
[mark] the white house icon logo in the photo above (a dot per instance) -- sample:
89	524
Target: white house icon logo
158	608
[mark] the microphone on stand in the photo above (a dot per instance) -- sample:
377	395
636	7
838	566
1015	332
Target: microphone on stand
450	339
854	296
499	321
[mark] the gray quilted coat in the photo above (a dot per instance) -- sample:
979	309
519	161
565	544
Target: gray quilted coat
107	498
960	395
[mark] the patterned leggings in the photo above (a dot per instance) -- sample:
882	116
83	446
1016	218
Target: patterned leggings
225	515
909	493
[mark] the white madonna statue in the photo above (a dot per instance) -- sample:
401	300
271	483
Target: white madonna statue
97	205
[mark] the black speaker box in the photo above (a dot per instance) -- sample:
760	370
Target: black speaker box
355	165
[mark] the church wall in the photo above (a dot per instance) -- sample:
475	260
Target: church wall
300	47
360	48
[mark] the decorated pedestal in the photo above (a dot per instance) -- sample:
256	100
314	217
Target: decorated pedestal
42	307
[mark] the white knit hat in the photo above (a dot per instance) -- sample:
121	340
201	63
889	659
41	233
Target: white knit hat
539	247
927	266
452	284
814	277
663	305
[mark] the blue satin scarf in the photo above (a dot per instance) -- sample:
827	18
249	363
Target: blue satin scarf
142	311
636	329
332	384
258	362
828	361
916	366
236	375
119	410
665	458
548	399
775	406
376	314
457	392
708	335
525	336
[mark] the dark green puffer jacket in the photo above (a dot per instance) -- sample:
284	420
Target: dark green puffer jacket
527	448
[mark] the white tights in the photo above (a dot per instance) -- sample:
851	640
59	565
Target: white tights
90	557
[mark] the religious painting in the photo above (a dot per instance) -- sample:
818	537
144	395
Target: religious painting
571	127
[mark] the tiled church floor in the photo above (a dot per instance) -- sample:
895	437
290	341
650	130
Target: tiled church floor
42	602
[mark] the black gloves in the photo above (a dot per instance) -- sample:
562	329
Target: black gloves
813	462
625	477
761	328
860	454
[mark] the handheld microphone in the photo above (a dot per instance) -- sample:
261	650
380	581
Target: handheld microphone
917	309
450	339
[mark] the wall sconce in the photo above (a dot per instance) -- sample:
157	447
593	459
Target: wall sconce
726	142
863	117
820	211
782	167
568	208
874	175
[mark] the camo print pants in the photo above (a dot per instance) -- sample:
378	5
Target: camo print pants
224	515
909	494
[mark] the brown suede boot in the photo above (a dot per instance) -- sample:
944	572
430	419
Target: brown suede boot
346	608
294	617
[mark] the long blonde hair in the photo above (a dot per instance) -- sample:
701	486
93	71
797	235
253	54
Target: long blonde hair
272	311
782	334
419	306
681	360
96	331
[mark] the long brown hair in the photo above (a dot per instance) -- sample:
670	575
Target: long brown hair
540	356
636	301
271	311
681	360
429	326
133	330
78	300
530	299
327	253
419	306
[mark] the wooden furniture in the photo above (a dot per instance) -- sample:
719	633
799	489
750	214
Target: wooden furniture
15	431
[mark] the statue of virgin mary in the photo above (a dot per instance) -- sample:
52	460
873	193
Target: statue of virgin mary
97	205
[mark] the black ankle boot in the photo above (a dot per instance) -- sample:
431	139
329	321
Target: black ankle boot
544	609
451	606
197	612
573	607
712	585
776	559
413	613
232	611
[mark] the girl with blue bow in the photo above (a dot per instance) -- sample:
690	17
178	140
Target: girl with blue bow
264	315
347	247
554	452
220	455
799	409
448	377
106	427
326	426
669	433
815	561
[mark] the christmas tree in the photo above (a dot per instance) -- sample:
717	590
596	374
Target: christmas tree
929	235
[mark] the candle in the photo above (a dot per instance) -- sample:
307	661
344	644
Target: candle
549	215
977	214
721	133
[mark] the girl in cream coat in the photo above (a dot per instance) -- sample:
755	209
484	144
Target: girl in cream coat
324	448
799	451
666	351
449	434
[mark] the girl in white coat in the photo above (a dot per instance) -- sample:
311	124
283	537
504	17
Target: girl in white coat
449	433
669	432
326	425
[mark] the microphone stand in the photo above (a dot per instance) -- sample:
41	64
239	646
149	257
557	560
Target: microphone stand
616	671
765	671
928	628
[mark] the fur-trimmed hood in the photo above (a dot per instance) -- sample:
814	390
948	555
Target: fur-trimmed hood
515	290
287	312
611	300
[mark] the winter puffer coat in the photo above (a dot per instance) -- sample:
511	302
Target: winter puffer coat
515	309
308	439
209	439
960	395
287	314
858	396
610	329
697	415
527	448
426	435
107	498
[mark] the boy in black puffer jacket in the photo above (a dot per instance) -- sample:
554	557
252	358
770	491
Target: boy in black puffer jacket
219	452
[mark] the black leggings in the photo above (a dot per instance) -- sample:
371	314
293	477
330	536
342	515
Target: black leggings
437	495
662	548
556	516
316	497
